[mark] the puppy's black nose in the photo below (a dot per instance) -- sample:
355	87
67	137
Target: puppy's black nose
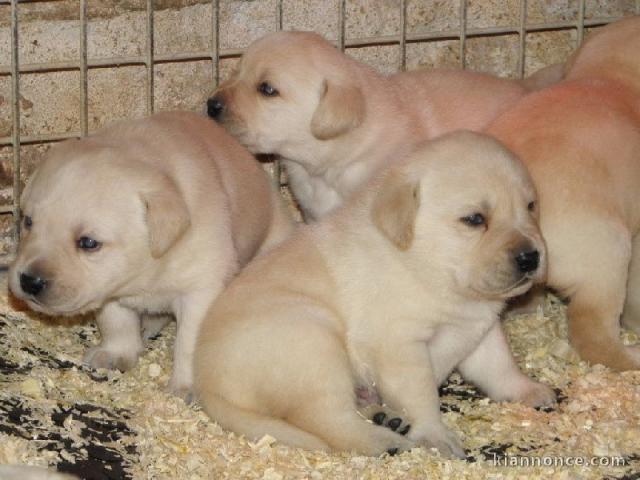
528	261
215	107
31	284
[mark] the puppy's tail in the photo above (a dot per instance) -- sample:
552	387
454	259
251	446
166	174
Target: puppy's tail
255	426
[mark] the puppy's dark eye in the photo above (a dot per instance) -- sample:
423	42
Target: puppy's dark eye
474	220
88	244
532	206
267	90
28	222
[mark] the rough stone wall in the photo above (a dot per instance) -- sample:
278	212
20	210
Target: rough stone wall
50	102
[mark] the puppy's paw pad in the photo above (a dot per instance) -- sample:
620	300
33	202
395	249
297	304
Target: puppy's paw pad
99	357
386	417
395	424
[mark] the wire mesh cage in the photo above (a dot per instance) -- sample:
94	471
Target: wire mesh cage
54	50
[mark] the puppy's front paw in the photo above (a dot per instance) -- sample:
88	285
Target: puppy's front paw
102	357
536	394
180	389
440	437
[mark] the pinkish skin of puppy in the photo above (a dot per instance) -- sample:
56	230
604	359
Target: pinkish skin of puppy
580	140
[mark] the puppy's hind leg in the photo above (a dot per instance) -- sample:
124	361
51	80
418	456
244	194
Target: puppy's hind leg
329	408
254	425
336	420
598	298
308	402
406	380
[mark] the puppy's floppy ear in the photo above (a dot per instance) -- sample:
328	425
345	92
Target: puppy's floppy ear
394	209
167	216
341	109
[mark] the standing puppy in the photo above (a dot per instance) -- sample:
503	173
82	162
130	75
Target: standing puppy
394	290
581	142
145	217
335	121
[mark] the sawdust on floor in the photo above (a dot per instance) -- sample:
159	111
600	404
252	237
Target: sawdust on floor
103	424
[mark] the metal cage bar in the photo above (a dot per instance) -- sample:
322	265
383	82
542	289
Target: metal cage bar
277	165
522	38
15	119
84	73
580	22
342	20
403	35
215	41
149	59
463	33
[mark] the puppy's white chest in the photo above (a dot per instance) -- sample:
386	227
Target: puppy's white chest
148	303
319	198
453	343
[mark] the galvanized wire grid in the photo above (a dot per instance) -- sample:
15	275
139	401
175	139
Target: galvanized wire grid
149	59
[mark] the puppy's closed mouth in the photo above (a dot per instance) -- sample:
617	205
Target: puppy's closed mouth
519	287
57	311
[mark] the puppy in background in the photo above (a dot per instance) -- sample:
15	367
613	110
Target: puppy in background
580	139
146	217
335	121
394	290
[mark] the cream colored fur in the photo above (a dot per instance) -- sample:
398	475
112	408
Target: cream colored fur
391	292
178	206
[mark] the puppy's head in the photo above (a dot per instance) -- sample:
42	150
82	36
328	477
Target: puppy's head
463	209
92	221
291	89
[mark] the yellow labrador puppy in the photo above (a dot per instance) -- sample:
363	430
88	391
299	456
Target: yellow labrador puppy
336	121
395	290
580	140
149	216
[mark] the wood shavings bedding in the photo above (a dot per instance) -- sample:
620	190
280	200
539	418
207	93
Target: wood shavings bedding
108	425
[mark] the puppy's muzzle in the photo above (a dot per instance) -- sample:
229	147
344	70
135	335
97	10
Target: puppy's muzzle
527	261
215	107
32	284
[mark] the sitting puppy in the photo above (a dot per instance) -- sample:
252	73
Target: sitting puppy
335	121
580	140
395	290
148	216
